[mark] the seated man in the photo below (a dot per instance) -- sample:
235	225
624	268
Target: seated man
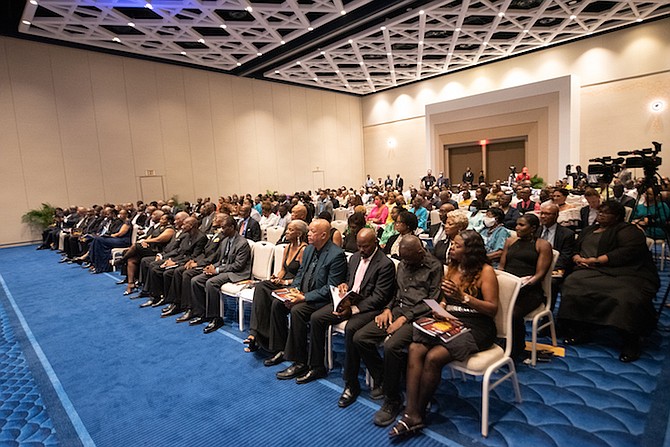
173	279
323	265
371	274
234	265
418	278
249	227
511	213
562	240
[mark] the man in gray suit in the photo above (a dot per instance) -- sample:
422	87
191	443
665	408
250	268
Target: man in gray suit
234	265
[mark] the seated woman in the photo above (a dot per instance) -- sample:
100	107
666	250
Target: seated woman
119	234
264	306
568	215
455	222
470	293
379	212
613	284
652	215
529	258
494	234
405	224
152	244
355	223
480	202
389	228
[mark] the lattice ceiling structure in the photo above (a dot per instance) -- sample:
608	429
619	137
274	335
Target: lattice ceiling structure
352	46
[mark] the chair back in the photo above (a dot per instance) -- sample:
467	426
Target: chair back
274	234
278	257
261	267
341	214
546	281
508	289
133	237
341	225
434	217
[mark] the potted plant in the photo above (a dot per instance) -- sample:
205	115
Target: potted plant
39	218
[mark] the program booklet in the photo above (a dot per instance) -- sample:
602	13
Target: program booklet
447	329
285	294
349	299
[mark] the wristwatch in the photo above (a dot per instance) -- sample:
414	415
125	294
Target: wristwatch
466	299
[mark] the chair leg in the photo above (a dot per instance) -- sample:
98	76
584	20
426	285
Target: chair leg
240	313
552	329
533	335
329	347
485	405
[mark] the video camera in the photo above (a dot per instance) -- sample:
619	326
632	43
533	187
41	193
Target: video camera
646	158
606	167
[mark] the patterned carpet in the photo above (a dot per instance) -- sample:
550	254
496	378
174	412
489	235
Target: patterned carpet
588	398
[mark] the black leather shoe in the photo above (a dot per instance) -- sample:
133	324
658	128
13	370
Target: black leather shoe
275	359
184	318
123	281
196	320
143	294
63	260
628	357
348	397
293	371
215	324
148	303
158	303
172	309
312	375
377	393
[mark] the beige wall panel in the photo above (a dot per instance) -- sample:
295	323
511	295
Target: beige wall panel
201	139
144	119
302	166
266	140
74	104
315	139
406	158
37	123
617	116
113	128
223	124
175	135
12	185
287	176
245	136
347	155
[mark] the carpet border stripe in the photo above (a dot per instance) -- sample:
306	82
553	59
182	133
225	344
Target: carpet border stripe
77	423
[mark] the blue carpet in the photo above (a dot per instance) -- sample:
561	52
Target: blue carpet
135	379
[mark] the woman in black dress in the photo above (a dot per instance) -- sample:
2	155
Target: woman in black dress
613	284
264	305
529	258
470	293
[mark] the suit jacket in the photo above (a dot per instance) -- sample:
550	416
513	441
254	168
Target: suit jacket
399	182
253	230
432	231
191	246
211	252
584	216
378	285
331	270
238	261
511	216
565	244
206	223
627	200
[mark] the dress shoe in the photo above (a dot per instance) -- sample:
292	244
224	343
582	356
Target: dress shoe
184	318
167	312
388	413
63	260
215	324
158	303
348	397
196	321
275	359
144	294
312	375
147	303
123	281
293	371
377	393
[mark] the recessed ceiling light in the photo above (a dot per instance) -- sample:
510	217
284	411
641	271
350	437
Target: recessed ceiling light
351	41
116	39
25	22
148	5
239	65
310	29
361	63
343	12
422	12
421	42
249	9
183	53
525	31
33	2
201	40
259	54
223	26
501	14
573	17
458	30
297	63
657	106
383	28
131	24
323	53
282	42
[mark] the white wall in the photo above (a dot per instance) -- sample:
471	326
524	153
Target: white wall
78	127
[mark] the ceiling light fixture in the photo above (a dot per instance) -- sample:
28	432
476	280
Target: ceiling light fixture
323	53
383	28
25	22
148	5
420	42
249	9
131	24
501	14
259	54
458	30
33	2
573	17
276	71
282	42
223	26
657	106
350	41
297	63
525	31
116	39
638	20
422	12
239	65
201	40
310	29
343	12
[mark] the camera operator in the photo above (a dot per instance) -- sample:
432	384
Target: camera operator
577	176
652	215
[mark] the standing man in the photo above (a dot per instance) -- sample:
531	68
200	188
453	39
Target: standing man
388	183
428	180
399	182
323	265
418	278
442	181
369	182
468	176
324	204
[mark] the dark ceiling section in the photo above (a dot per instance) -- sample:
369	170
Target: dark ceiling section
353	46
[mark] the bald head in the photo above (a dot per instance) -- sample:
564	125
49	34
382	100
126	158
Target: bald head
411	250
319	233
299	212
548	214
190	224
179	219
445	209
366	240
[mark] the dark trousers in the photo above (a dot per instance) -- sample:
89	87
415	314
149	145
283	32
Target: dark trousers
183	293
389	370
260	325
205	294
278	325
528	300
319	323
296	344
172	284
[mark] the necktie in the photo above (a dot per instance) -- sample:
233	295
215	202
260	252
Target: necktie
360	273
545	234
224	259
243	227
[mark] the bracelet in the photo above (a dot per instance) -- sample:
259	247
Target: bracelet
466	299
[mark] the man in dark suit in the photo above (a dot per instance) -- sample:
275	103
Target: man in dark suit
511	213
388	183
619	196
562	239
371	274
323	265
399	182
589	213
248	227
418	278
191	244
234	265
